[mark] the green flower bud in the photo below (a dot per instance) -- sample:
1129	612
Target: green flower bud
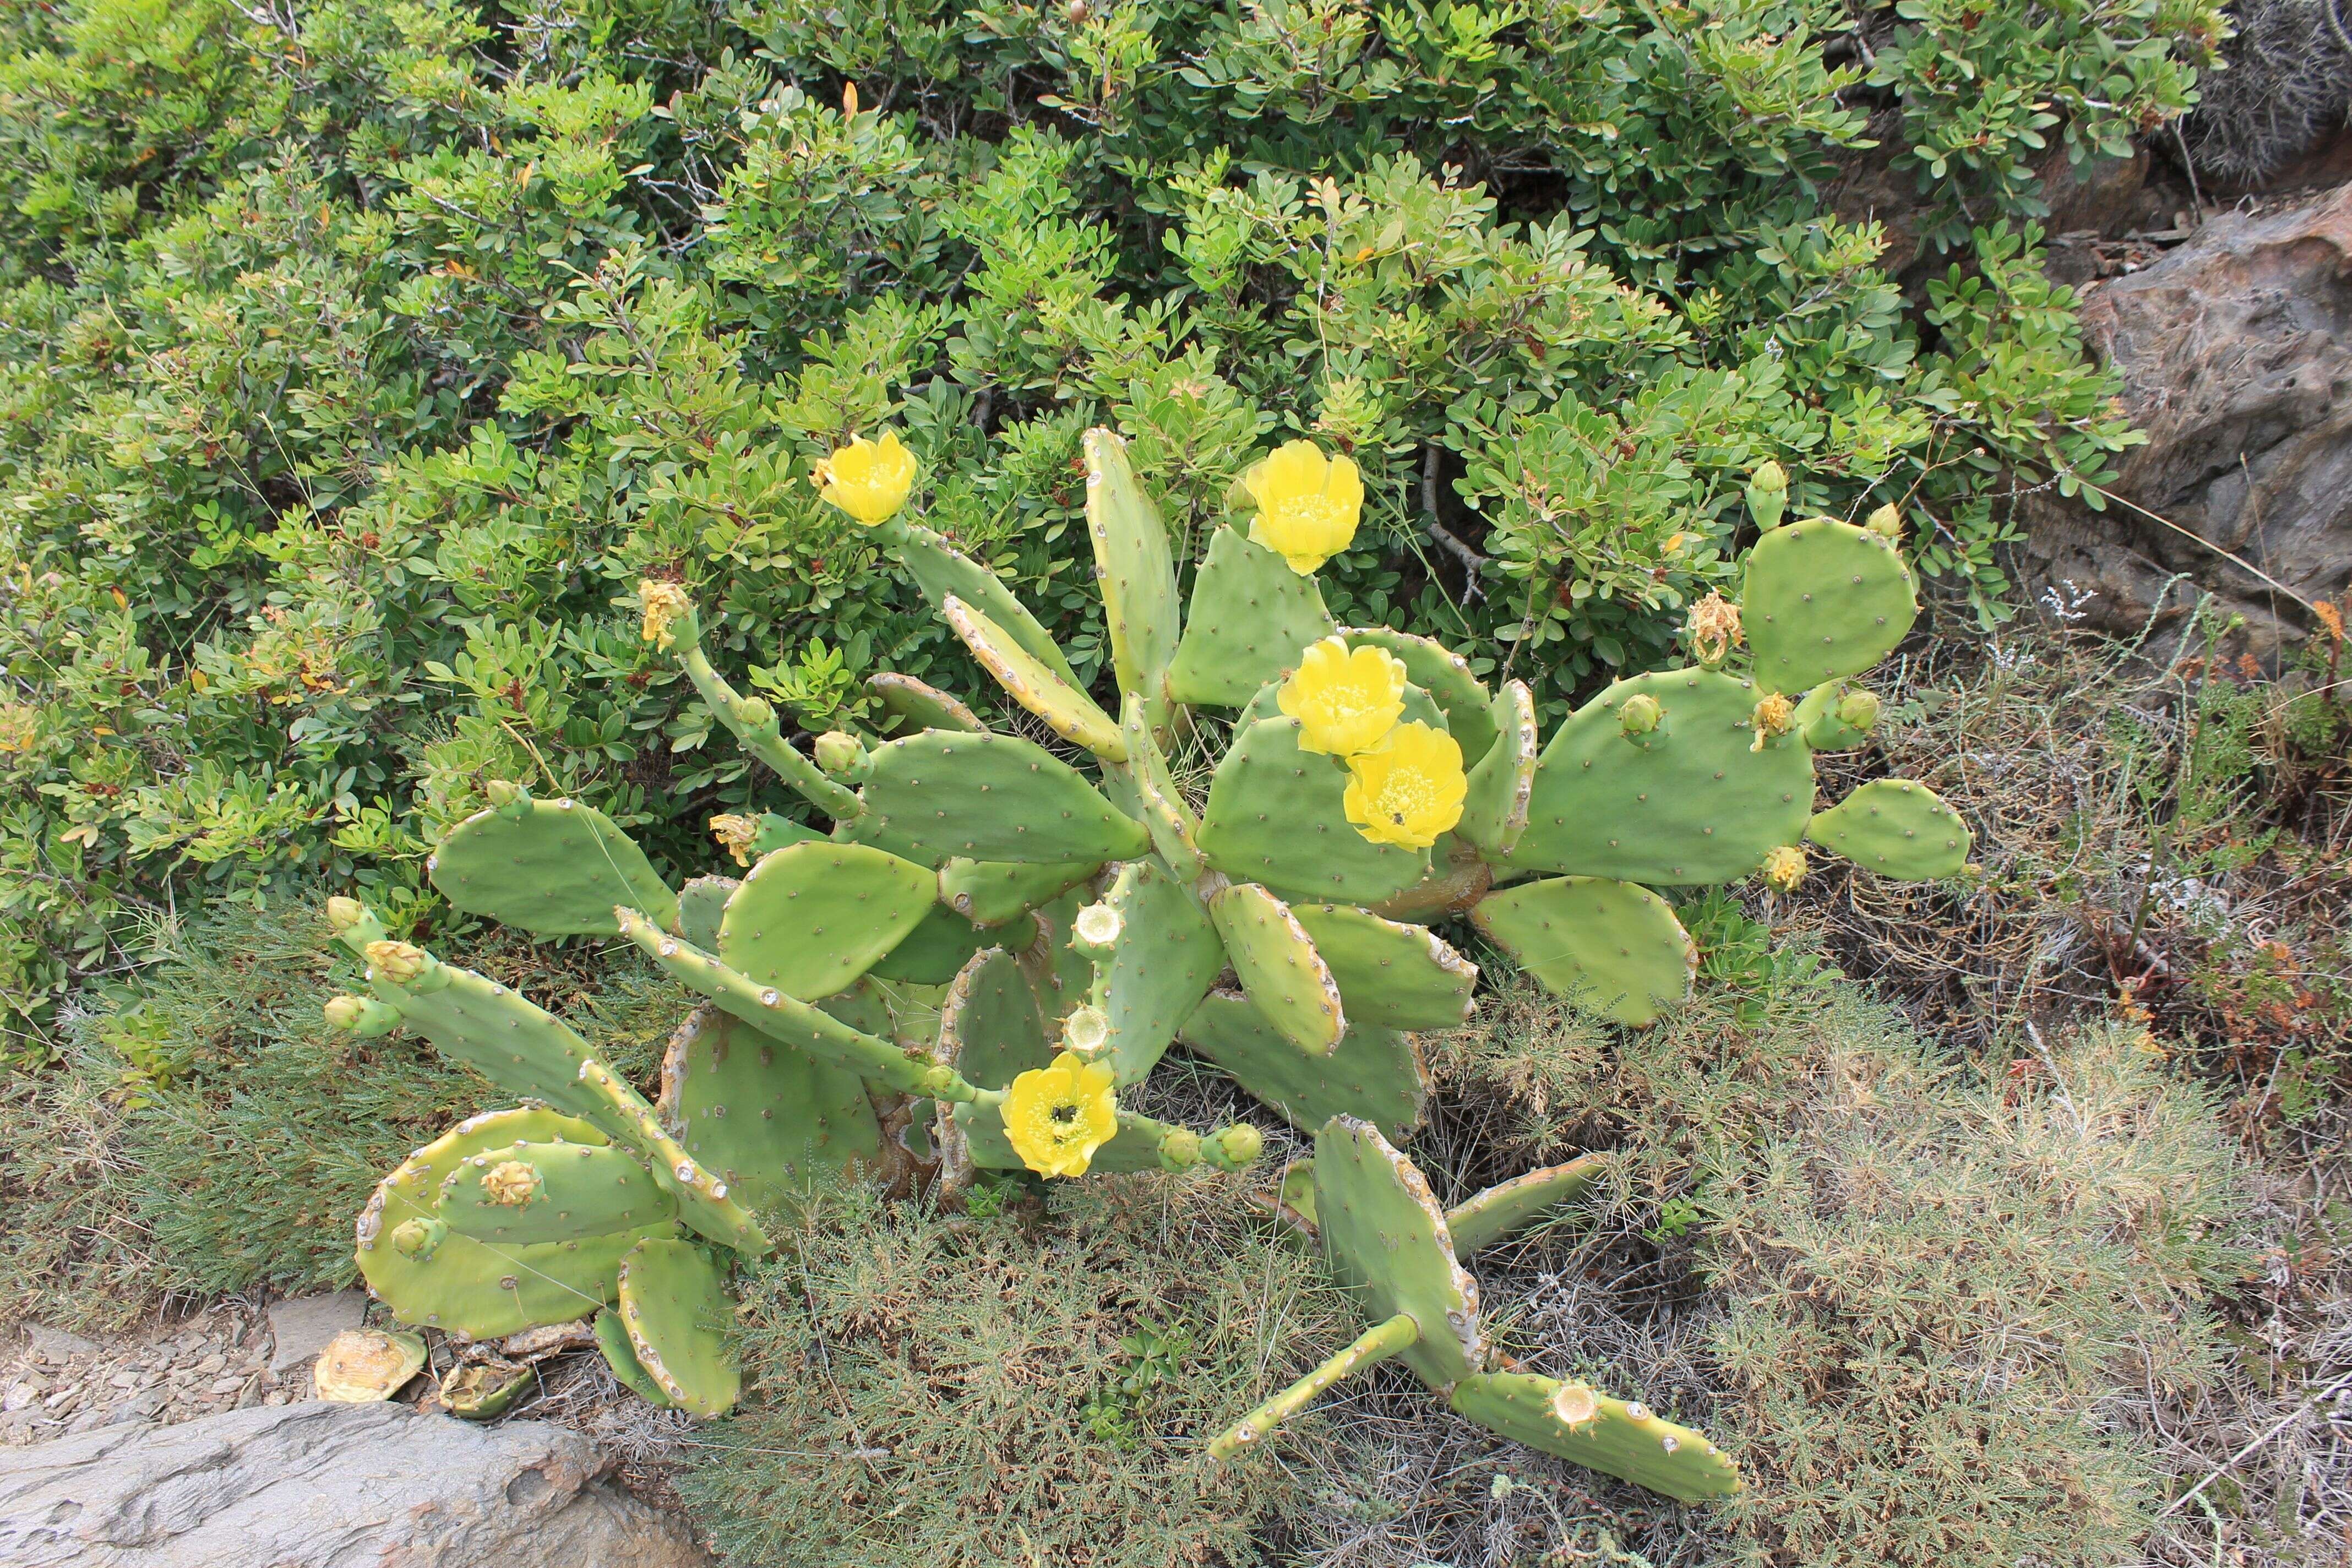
840	754
1235	1147
1858	711
1640	715
401	963
1770	477
753	713
1179	1150
505	795
417	1238
1886	522
345	913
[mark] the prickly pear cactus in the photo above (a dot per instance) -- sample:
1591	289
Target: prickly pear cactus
1086	915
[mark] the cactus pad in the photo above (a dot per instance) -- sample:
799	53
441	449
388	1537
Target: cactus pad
1166	959
933	951
1404	976
1896	828
811	918
1612	946
995	797
1445	674
1251	616
522	1193
1614	1435
1137	578
701	905
1276	817
764	1116
1066	711
1823	600
991	1030
1385	1239
674	1304
1502	783
991	892
919	706
1691	802
940	571
1175	832
472	1288
613	1338
1504	1210
1281	974
552	868
1375	1075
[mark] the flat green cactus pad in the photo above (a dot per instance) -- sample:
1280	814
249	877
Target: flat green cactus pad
1251	616
1136	576
1404	976
1275	818
811	917
554	868
1375	1074
934	950
1281	974
991	892
990	1028
1896	828
470	1287
1823	600
1612	1435
702	904
526	1192
1502	783
1445	674
765	1116
1165	960
1297	1192
674	1306
1504	1210
940	571
1175	832
995	797
505	1037
1385	1239
1612	946
1068	712
919	706
1693	805
613	1338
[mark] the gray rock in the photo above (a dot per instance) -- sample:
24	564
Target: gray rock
327	1486
2236	356
301	1326
54	1345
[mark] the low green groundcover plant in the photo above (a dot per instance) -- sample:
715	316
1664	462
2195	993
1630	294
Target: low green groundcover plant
356	361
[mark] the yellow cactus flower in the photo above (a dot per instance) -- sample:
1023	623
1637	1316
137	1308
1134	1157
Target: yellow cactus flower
1409	789
1307	504
1056	1117
868	480
1774	717
666	604
1784	867
1345	702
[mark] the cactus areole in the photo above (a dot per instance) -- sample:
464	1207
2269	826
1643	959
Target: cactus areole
994	940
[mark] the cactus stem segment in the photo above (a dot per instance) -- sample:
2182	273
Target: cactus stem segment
753	723
1374	1345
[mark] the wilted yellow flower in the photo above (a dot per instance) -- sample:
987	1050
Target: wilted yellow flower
868	480
1307	504
736	835
1056	1117
666	604
1409	789
1345	702
511	1183
1714	628
1774	717
1784	867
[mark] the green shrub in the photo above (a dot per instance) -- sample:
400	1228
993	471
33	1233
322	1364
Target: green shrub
1021	1385
353	361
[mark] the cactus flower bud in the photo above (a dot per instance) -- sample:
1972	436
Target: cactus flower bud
1774	717
401	962
1086	1030
345	913
1099	926
1858	711
1886	522
1784	867
1770	475
362	1016
505	795
754	712
1767	495
1179	1150
1714	629
666	604
735	835
417	1238
345	1012
511	1184
1235	1147
840	754
1640	716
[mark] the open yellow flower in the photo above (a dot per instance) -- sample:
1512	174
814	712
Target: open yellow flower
868	480
1409	789
1056	1117
1307	504
1345	702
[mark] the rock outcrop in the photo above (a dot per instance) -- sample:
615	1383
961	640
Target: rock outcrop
327	1486
2236	356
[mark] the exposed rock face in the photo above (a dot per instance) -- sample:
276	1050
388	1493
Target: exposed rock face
327	1486
2236	354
